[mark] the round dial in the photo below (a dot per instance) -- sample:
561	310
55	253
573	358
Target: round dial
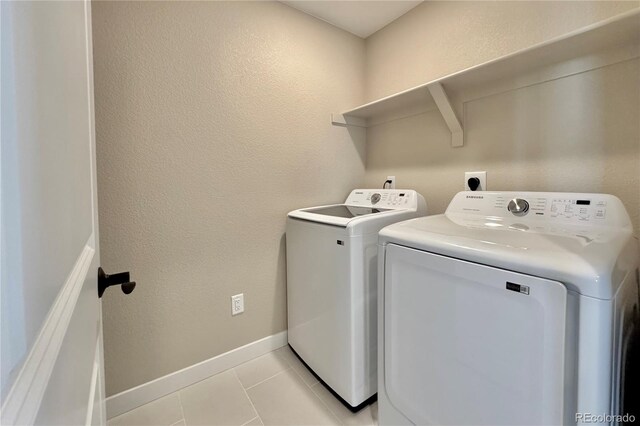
518	206
375	198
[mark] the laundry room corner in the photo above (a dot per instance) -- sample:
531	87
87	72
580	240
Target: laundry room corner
320	212
210	127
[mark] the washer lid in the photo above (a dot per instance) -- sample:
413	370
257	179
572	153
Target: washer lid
368	207
338	214
591	256
342	210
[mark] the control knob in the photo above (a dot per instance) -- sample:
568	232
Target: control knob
375	198
518	206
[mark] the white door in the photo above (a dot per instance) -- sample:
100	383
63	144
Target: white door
467	344
51	338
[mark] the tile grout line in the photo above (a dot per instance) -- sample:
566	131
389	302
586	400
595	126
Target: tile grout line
262	381
281	356
181	408
256	417
255	410
295	370
303	380
335	416
310	386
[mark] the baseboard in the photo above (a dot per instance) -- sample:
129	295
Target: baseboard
135	397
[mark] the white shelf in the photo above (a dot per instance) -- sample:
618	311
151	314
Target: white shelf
603	43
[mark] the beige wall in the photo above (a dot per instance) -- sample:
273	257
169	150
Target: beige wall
212	122
438	38
579	133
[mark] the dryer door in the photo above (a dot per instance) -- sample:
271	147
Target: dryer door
470	344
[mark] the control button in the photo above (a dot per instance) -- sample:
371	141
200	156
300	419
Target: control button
518	207
375	198
600	213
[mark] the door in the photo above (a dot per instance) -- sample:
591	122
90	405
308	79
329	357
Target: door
51	338
467	344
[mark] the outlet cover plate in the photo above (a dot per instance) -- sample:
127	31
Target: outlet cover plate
480	175
237	304
392	185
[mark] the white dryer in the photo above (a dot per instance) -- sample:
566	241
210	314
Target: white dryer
331	285
509	309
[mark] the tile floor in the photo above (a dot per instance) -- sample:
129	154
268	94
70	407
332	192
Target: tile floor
274	389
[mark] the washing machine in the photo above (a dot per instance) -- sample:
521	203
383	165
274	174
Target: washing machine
331	285
512	308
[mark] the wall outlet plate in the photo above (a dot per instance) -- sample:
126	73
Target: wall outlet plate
391	185
237	304
480	175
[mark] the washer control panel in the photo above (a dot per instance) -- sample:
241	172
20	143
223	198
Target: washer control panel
383	198
578	208
518	207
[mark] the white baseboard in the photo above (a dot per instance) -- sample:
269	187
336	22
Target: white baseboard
132	398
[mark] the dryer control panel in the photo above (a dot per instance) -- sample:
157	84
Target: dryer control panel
558	207
383	198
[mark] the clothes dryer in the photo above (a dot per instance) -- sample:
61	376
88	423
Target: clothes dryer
511	308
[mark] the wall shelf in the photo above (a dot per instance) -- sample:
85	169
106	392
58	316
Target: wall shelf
604	43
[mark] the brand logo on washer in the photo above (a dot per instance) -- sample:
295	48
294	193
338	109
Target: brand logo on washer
478	197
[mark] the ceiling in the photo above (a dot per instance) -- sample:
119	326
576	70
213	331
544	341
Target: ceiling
360	17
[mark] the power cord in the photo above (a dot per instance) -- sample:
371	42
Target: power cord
388	181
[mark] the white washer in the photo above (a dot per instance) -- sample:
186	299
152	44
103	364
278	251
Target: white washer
331	285
510	309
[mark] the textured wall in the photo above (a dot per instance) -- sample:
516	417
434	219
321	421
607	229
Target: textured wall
440	37
579	133
212	122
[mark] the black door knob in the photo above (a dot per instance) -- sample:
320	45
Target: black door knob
121	279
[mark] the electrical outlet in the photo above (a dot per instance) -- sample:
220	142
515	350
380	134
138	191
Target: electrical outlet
482	179
391	185
237	304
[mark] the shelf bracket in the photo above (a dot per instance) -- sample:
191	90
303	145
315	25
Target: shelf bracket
444	105
345	121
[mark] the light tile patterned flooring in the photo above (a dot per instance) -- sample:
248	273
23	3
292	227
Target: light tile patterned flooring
274	389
